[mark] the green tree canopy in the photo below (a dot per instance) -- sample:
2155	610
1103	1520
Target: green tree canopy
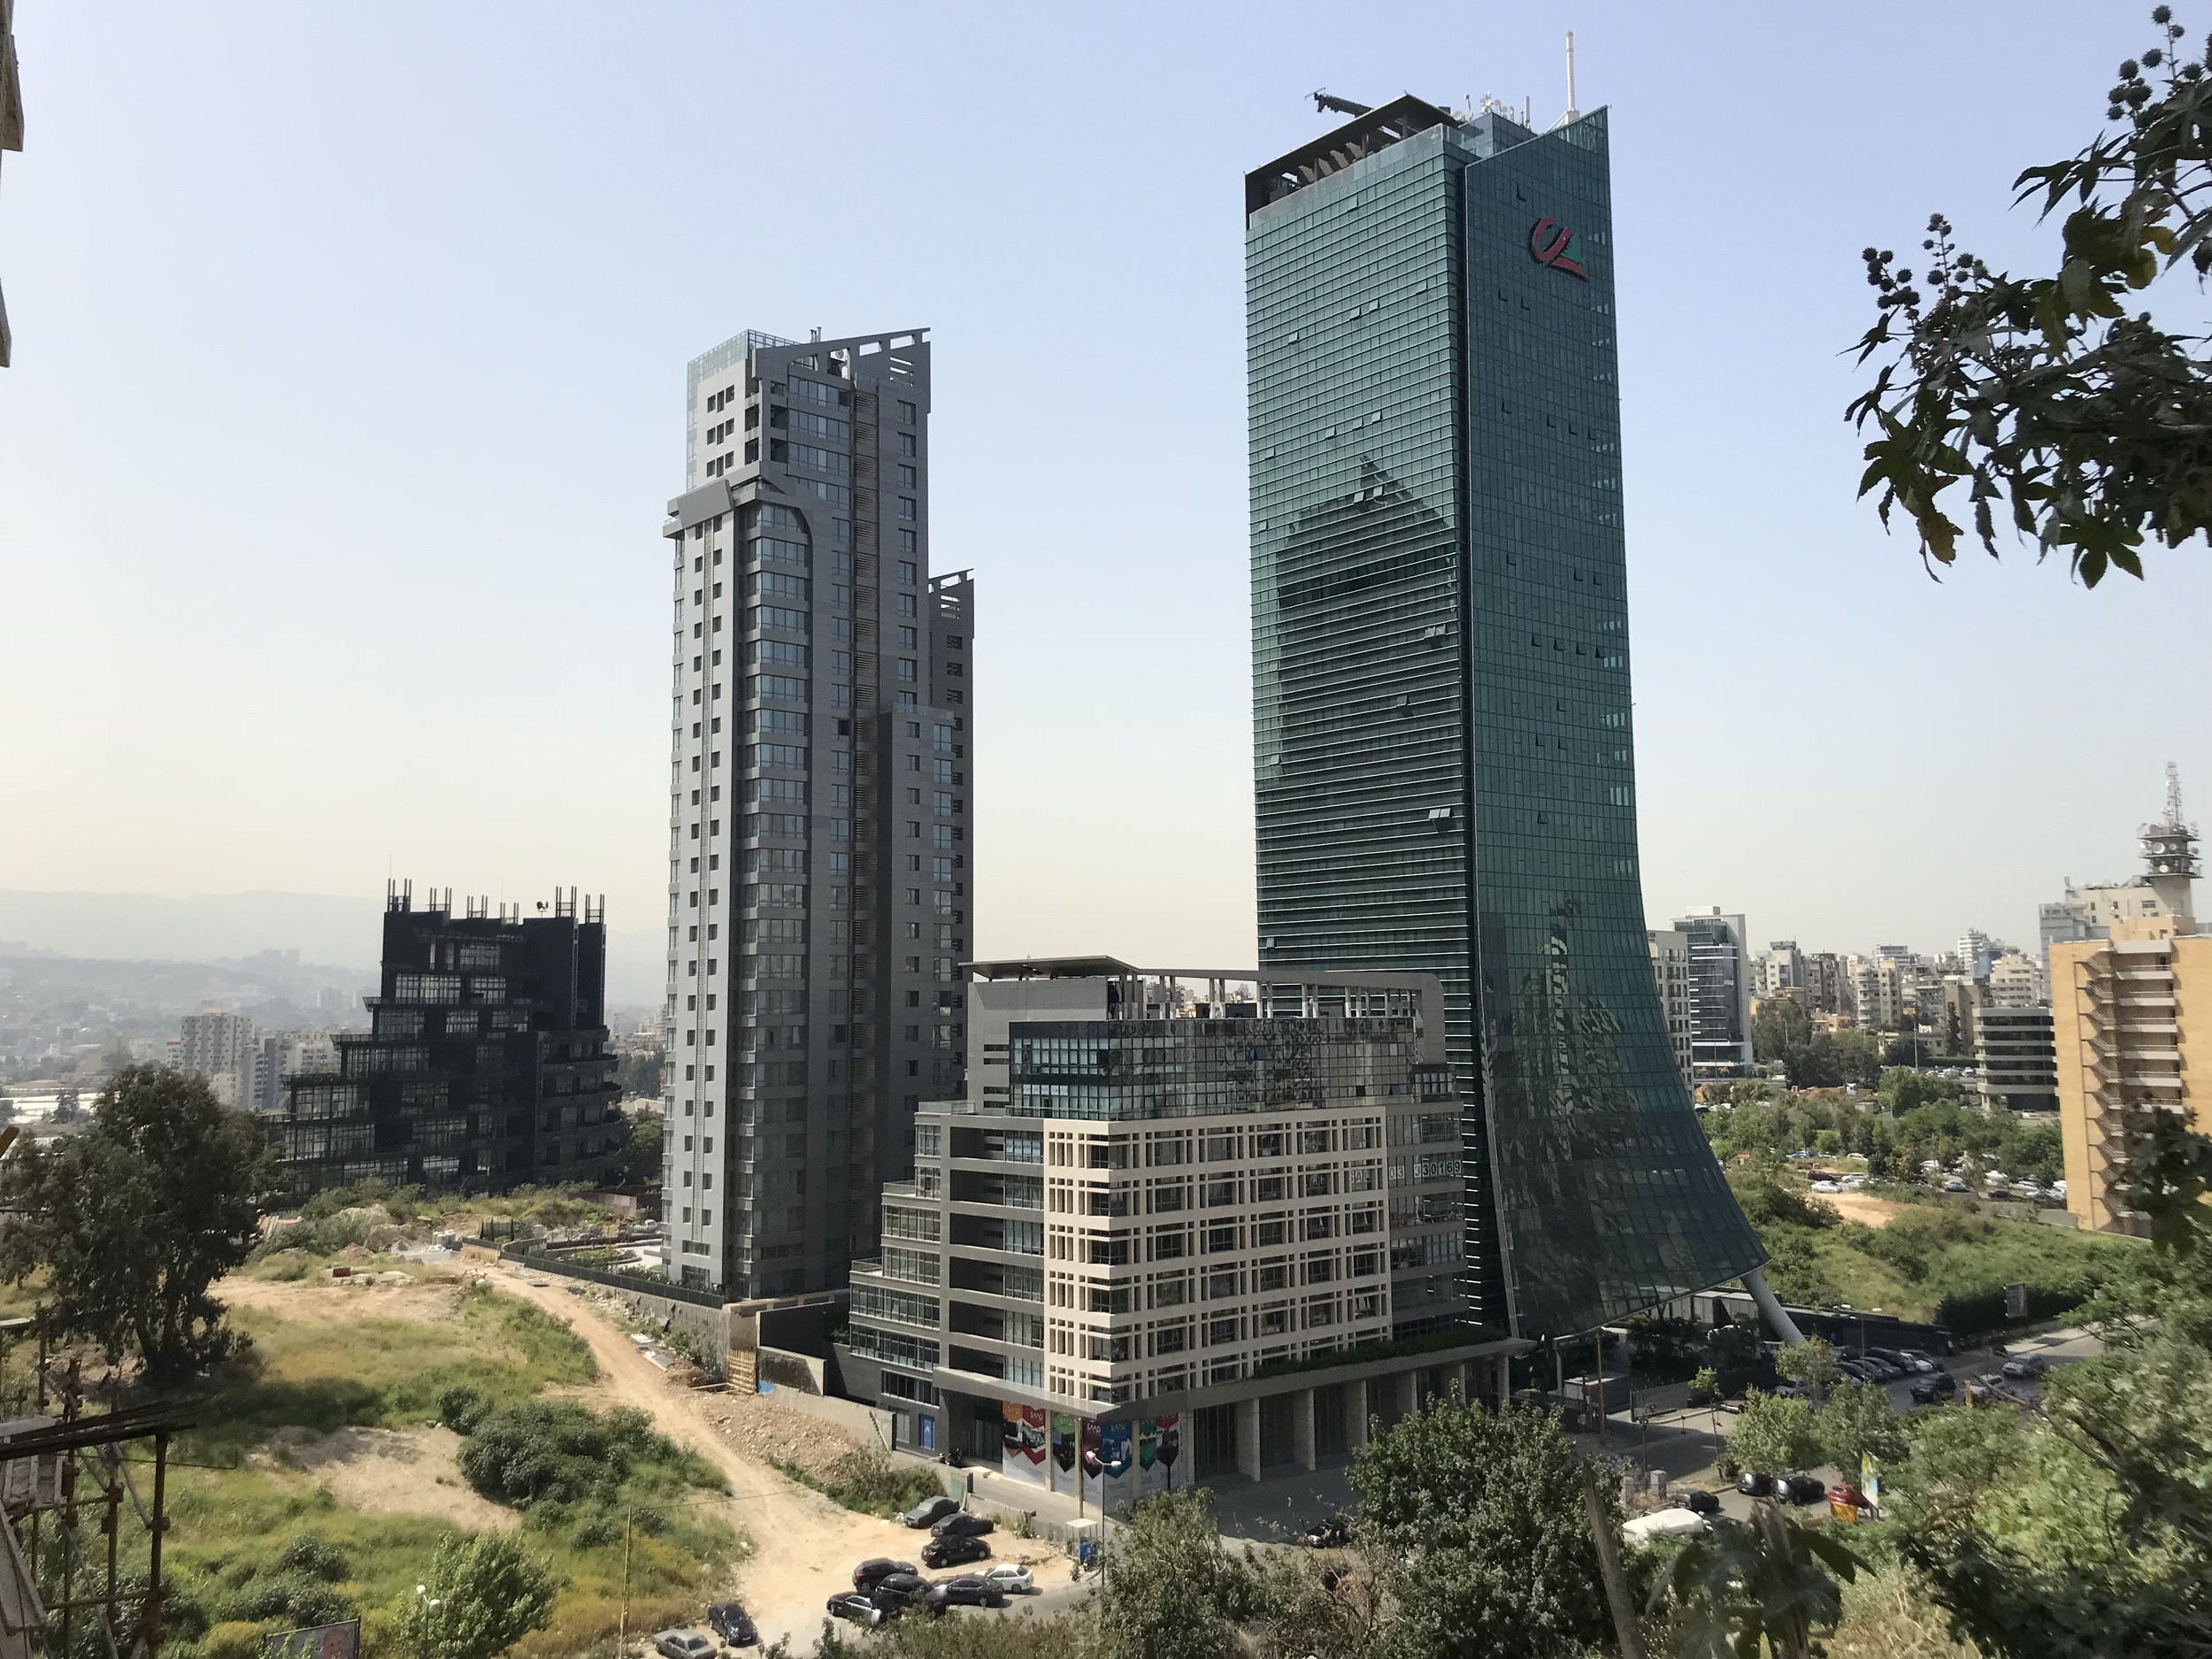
484	1595
1774	1436
1812	1362
134	1218
1177	1593
1484	1525
2084	423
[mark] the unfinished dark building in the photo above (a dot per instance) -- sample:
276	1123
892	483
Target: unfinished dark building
486	1067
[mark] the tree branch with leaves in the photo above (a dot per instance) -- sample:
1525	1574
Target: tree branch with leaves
2085	426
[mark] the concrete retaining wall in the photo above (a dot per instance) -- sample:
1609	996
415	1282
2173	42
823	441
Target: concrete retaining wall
873	1426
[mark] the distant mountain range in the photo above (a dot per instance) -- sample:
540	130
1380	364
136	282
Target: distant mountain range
228	927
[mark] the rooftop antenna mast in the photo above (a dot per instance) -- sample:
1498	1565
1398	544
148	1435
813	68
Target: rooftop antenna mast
1573	114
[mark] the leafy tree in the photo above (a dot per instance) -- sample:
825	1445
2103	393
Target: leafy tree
2090	428
1811	1362
134	1218
1773	1436
1858	1420
484	1595
1858	1057
1741	1583
639	1075
1480	1522
1782	1027
1177	1594
1903	1089
2086	1528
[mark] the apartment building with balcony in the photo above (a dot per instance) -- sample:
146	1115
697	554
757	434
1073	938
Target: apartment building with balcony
2124	1011
1185	1201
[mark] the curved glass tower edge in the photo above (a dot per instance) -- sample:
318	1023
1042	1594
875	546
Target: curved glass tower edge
1444	776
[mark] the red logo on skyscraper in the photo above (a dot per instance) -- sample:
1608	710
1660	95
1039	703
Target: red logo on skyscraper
1548	243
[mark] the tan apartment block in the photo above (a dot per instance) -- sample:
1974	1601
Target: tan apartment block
2124	1011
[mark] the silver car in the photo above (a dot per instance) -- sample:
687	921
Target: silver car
685	1644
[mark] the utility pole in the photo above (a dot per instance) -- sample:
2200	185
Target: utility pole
622	1624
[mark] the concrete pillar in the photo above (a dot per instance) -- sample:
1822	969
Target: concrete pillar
1302	1427
1505	1381
1409	1393
1249	1437
1463	1380
1355	1415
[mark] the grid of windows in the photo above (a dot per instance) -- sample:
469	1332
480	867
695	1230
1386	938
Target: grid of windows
1444	777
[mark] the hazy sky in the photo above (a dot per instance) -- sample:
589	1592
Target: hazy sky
349	350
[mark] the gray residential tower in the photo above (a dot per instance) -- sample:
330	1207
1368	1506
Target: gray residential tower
820	870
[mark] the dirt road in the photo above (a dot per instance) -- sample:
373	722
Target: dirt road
804	1546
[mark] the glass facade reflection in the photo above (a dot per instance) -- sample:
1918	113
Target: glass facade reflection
1444	777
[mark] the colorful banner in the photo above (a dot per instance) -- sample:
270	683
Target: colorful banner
1108	1461
1159	1443
1170	1450
1022	1442
1067	1444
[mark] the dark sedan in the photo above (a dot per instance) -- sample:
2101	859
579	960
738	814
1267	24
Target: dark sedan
962	1526
967	1590
875	1570
1800	1488
950	1552
733	1624
1754	1486
931	1510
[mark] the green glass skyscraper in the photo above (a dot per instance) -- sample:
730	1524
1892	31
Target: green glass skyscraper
1445	780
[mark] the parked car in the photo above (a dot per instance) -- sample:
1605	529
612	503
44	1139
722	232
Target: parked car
963	1524
1953	1185
1920	1357
929	1511
897	1592
1012	1578
684	1644
968	1590
1698	1502
2024	1367
1754	1486
1800	1488
875	1570
1786	1390
1856	1370
950	1552
1330	1531
733	1624
1927	1390
1826	1187
1734	1408
859	1609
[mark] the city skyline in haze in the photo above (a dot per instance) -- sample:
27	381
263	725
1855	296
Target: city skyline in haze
320	459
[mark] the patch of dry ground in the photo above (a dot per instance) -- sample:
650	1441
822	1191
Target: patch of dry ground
409	1471
761	1430
1875	1212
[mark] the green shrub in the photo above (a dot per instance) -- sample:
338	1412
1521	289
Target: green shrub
868	1481
309	1554
558	1451
462	1407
